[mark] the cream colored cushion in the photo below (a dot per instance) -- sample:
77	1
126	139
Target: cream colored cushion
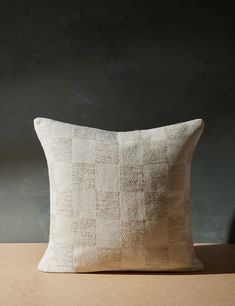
119	200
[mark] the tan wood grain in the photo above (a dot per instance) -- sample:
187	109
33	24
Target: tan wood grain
22	284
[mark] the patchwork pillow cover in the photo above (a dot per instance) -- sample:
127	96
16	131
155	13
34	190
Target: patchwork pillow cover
119	200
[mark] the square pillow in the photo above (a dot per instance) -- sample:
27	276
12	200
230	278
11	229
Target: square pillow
119	200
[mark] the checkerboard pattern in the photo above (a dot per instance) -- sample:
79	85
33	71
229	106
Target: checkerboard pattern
119	200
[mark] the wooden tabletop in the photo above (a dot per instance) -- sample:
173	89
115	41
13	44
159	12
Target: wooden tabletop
22	284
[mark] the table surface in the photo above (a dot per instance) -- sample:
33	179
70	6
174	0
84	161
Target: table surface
22	284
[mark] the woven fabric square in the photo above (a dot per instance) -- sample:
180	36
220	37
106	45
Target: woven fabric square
84	232
107	205
106	152
83	176
119	200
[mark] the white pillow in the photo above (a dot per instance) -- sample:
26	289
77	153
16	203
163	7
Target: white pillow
119	200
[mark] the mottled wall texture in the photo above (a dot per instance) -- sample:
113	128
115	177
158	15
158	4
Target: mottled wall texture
116	65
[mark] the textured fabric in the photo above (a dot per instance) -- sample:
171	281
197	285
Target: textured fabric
119	200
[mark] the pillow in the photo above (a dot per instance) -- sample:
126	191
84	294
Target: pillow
119	200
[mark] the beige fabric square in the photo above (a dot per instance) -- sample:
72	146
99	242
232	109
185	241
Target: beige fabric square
106	177
119	200
83	151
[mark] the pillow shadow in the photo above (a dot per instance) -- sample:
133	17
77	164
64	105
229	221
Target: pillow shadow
216	258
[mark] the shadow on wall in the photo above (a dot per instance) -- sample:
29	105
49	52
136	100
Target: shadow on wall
231	235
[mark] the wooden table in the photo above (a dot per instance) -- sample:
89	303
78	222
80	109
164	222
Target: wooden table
22	284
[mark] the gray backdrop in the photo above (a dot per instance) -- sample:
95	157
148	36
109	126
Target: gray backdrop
117	65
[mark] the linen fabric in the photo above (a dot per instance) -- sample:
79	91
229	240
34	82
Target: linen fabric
119	200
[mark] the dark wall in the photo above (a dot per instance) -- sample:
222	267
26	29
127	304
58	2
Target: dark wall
118	65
